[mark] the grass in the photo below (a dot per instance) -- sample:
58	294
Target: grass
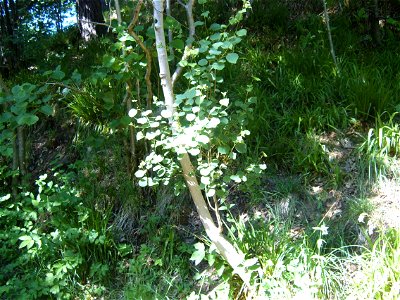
284	225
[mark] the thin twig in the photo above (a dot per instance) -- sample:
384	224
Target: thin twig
328	27
65	86
95	23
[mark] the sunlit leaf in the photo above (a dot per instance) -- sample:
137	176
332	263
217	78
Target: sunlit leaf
232	58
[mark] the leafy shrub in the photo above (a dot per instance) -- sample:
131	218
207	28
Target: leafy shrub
50	241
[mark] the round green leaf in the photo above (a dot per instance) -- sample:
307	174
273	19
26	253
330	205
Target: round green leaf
178	44
27	119
47	110
241	32
232	58
203	62
241	147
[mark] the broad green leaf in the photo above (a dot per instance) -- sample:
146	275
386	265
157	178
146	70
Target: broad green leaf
178	44
232	58
47	110
27	119
108	60
76	77
214	51
227	45
171	22
203	62
58	74
215	36
6	117
205	14
126	37
215	27
223	150
199	254
125	121
27	242
241	147
218	66
202	1
241	32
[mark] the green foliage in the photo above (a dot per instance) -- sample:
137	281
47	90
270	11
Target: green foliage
380	146
289	264
211	128
51	241
379	276
161	267
23	105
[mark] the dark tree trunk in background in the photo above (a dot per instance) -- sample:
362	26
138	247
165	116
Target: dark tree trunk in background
59	19
90	16
9	51
374	18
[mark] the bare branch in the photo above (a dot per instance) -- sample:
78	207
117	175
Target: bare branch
118	10
145	50
95	23
192	31
170	36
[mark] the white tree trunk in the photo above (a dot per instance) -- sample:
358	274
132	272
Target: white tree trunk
232	255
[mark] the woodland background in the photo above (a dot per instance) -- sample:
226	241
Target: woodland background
288	111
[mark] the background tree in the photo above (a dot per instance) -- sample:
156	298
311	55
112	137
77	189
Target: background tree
90	18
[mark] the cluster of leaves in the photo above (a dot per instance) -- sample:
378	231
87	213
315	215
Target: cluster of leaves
50	239
210	128
23	105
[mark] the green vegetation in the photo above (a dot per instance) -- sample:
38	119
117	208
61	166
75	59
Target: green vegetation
296	155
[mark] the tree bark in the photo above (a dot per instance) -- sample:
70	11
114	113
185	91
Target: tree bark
90	19
233	256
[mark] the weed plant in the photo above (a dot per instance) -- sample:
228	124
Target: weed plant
380	147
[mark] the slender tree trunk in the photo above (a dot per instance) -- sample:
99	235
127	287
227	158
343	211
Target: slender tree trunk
374	20
90	19
170	35
21	150
15	164
328	28
59	16
232	255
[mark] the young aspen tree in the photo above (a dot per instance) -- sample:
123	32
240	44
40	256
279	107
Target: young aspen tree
233	256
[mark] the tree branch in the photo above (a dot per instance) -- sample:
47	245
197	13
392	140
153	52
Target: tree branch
95	23
192	30
145	50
